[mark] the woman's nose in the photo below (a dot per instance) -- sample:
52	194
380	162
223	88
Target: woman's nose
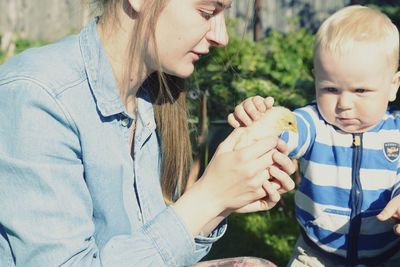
218	35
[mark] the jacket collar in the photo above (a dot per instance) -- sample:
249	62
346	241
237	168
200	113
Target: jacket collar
102	82
99	72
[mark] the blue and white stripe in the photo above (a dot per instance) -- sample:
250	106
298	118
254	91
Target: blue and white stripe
323	200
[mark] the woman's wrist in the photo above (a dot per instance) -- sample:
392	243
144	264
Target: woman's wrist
197	208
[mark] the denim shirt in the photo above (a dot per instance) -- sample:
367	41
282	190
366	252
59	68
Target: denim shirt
70	192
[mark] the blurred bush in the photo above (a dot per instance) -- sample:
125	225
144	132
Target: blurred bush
279	65
21	45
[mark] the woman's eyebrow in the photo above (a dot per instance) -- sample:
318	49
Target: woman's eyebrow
218	3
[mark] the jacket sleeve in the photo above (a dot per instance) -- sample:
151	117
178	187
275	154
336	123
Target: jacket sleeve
45	206
299	143
396	187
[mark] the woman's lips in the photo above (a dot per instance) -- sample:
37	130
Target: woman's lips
196	57
197	54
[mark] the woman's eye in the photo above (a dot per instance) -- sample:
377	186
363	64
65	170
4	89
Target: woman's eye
360	90
207	15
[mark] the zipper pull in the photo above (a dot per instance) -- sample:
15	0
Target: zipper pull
356	140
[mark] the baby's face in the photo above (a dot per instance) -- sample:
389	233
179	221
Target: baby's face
353	90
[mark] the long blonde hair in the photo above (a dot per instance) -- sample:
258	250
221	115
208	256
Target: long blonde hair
168	95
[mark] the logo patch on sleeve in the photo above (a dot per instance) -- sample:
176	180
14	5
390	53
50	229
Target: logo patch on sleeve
391	151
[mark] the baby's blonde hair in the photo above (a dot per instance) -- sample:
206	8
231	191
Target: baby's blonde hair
355	25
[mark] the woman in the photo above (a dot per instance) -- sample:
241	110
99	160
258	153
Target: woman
89	124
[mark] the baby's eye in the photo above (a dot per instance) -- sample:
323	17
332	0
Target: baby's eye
330	89
360	90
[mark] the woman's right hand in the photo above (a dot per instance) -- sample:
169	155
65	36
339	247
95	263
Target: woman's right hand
234	179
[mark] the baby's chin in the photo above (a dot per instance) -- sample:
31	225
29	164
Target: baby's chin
352	129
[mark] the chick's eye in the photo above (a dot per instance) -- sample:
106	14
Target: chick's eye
290	123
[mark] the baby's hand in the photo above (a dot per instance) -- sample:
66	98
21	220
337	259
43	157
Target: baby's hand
392	211
249	110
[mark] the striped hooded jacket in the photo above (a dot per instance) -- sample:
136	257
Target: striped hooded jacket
347	179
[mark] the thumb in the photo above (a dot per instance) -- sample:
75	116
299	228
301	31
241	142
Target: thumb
388	211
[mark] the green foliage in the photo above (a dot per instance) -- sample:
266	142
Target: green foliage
21	45
391	9
279	66
270	235
2	56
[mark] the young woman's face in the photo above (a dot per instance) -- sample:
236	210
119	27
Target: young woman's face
185	31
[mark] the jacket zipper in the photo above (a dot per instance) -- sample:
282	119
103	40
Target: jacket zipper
356	196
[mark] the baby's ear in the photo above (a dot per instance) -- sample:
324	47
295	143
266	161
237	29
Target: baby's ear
394	86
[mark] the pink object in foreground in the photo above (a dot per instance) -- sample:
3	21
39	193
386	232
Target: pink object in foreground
236	262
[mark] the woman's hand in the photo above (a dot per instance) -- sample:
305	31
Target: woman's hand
249	110
244	180
279	181
232	180
237	178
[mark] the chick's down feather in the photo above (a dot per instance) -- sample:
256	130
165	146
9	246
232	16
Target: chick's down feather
271	123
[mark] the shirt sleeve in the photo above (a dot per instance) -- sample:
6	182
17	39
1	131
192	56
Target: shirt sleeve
396	188
298	143
118	251
45	206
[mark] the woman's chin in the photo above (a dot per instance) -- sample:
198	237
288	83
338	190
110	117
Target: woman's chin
183	72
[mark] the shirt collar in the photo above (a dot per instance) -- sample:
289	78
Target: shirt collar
102	83
99	72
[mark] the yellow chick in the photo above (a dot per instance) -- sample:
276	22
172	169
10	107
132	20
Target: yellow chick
271	123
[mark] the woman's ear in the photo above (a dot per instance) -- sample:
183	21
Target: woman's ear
136	4
394	87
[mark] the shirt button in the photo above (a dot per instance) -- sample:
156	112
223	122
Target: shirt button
139	216
125	122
